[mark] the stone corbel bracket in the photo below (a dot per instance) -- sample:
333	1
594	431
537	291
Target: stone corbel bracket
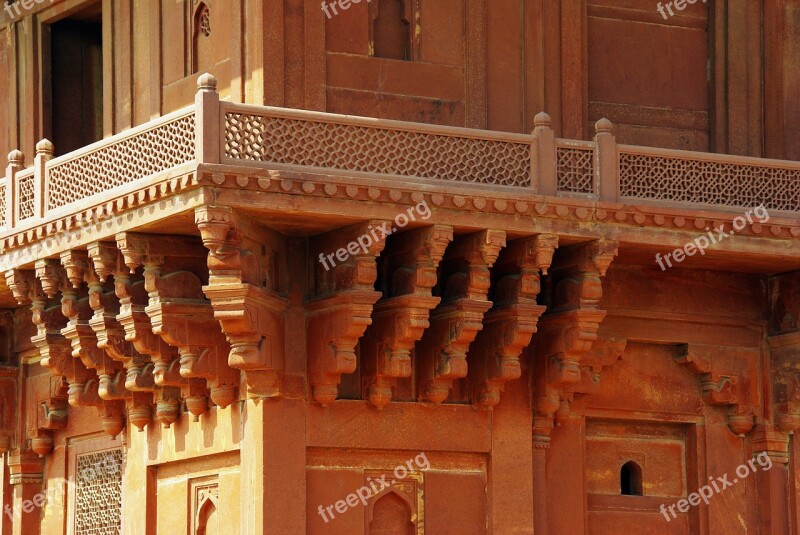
568	330
182	317
408	274
252	316
604	354
51	414
54	349
463	285
718	385
509	326
105	260
79	368
340	306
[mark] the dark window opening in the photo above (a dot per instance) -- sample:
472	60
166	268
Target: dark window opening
392	29
630	476
76	62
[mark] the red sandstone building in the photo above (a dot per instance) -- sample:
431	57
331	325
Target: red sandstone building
355	280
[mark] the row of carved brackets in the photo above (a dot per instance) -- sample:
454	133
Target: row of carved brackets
150	337
433	301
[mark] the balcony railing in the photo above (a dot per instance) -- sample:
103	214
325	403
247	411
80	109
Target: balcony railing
215	132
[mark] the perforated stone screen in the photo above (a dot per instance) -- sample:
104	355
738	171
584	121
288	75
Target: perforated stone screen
98	493
376	150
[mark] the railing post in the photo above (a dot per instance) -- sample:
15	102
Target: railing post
545	154
16	162
44	153
607	164
207	140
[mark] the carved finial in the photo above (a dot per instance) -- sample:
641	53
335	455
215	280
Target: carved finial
542	119
206	82
45	147
16	157
604	126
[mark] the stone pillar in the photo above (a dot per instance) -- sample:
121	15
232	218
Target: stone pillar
509	473
772	485
273	467
138	515
566	474
539	487
26	473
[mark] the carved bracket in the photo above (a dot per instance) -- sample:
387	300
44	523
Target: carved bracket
463	285
567	332
408	273
340	308
718	385
251	315
183	318
509	326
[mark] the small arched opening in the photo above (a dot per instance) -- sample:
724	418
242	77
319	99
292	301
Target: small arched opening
391	515
630	478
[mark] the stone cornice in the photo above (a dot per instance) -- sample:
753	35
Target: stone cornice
575	216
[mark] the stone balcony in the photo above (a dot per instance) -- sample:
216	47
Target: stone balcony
167	266
168	166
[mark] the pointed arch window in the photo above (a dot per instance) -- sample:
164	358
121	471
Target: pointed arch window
201	35
391	514
630	477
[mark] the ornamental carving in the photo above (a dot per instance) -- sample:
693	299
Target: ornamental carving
340	308
463	286
244	301
509	325
407	275
568	330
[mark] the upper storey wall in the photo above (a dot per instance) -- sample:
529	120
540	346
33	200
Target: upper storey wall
712	77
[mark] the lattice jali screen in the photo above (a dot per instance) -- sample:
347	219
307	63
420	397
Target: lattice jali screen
376	150
708	182
575	169
98	493
152	151
25	196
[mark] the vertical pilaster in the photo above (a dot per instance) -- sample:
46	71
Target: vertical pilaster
26	476
510	466
566	477
273	467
